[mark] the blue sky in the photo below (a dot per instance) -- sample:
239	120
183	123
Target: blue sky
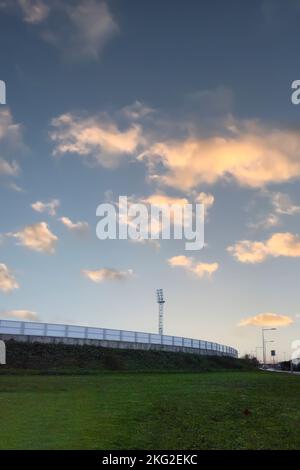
202	91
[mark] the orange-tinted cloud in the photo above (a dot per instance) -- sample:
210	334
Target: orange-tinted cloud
93	138
250	155
19	314
49	207
79	227
199	270
7	279
267	319
107	274
37	237
279	244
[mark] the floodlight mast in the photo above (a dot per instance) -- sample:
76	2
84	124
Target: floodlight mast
160	301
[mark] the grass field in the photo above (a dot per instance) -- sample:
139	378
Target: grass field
150	411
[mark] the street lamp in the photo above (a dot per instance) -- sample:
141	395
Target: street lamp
263	342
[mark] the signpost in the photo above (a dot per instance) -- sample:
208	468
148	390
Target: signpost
273	354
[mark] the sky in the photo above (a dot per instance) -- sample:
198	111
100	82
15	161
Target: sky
158	101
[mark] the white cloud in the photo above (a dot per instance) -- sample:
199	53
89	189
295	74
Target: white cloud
8	282
279	244
19	314
267	319
199	270
107	274
37	237
48	207
93	138
9	168
80	227
15	187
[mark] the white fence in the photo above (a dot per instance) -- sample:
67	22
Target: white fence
9	327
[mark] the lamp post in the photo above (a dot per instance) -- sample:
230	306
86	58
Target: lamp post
264	342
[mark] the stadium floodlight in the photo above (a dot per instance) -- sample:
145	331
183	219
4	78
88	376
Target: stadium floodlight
160	301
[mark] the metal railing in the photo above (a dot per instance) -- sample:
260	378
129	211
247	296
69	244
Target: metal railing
11	327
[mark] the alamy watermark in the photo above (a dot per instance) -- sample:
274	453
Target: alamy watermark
144	221
2	92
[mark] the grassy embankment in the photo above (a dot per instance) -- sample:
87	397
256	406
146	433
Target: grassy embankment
59	397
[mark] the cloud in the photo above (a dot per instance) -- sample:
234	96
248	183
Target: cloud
181	260
282	203
200	270
19	314
267	319
250	154
37	237
136	111
279	244
87	27
7	280
157	216
159	199
8	129
34	11
107	274
15	187
80	227
48	207
9	168
206	199
10	141
93	138
269	221
79	29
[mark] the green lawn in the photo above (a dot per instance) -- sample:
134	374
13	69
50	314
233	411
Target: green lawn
150	411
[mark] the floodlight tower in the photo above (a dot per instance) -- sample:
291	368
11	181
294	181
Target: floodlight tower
160	301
